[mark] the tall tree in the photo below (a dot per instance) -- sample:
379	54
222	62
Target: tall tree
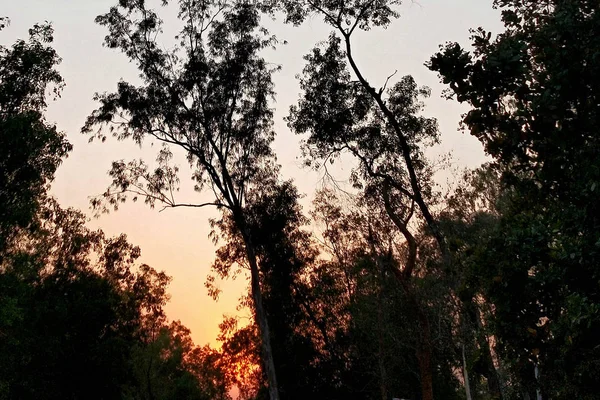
382	128
209	97
534	97
368	109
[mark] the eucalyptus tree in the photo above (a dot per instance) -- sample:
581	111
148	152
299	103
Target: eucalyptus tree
210	97
369	121
342	112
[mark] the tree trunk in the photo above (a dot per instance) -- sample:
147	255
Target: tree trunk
381	349
466	374
425	356
490	372
425	350
538	392
263	324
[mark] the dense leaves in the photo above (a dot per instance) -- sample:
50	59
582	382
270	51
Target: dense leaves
30	148
533	92
210	97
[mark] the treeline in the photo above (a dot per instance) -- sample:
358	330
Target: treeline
490	292
79	317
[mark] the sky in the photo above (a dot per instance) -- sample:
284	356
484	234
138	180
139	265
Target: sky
176	240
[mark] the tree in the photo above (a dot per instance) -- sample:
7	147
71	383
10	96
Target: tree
30	148
371	318
170	367
339	322
382	128
59	341
286	255
210	98
240	347
399	110
533	92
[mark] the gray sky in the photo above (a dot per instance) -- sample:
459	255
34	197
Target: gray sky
176	240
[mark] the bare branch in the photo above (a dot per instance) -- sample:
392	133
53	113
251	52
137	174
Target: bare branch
386	82
177	205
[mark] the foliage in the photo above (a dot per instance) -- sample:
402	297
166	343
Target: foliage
59	341
285	253
374	317
171	367
383	129
209	97
76	308
30	148
390	292
533	92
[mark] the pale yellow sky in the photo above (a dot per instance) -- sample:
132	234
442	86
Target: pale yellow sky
176	241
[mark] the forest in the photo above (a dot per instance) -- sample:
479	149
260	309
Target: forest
387	288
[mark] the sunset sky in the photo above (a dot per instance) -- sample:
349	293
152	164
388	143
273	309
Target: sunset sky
176	241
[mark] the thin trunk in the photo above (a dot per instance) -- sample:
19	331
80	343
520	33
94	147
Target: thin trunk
261	318
411	257
466	374
490	372
380	322
538	392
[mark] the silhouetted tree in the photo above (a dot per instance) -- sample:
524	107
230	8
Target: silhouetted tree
382	128
286	253
77	312
533	92
30	148
209	97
